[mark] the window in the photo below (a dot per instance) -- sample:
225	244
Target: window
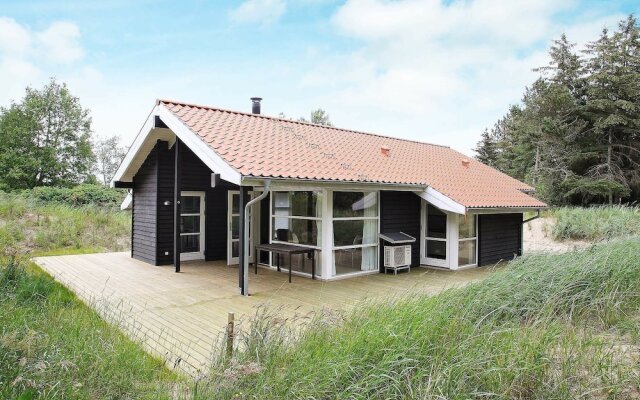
297	219
355	232
467	240
436	235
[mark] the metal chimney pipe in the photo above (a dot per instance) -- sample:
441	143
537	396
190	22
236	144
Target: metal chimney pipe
255	105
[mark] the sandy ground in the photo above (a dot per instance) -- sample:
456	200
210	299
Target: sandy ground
538	238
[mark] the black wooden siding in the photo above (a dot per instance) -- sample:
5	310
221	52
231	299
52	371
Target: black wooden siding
400	212
153	221
144	206
499	237
166	162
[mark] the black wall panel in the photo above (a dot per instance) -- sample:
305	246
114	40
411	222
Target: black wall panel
400	212
499	237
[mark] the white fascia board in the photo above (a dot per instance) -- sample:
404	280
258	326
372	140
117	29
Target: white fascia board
441	201
135	146
126	203
286	184
211	159
202	150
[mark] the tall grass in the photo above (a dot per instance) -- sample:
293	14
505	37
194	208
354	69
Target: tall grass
596	223
548	326
53	346
28	225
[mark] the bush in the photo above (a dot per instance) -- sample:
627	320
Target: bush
596	223
85	194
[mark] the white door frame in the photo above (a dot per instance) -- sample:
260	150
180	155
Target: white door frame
451	241
198	255
253	223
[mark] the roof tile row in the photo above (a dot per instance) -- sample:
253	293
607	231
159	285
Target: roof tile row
261	146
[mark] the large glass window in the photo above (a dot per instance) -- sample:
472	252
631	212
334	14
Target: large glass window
355	232
467	240
297	218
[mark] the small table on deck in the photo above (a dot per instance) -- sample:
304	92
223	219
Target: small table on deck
289	249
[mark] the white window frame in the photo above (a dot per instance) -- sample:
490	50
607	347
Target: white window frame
272	216
475	238
196	255
333	248
318	258
254	220
452	232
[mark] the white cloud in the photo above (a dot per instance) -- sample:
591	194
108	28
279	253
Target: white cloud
440	71
29	57
260	11
14	38
60	42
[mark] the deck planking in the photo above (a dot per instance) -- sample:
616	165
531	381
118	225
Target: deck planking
180	317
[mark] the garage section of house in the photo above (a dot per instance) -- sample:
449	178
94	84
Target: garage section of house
208	184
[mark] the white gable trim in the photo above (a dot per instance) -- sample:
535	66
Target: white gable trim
209	157
135	146
212	160
441	201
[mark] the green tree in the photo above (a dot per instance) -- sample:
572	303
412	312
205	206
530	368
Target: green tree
487	149
45	140
613	108
576	133
109	153
318	116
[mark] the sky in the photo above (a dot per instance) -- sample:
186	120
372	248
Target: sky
428	70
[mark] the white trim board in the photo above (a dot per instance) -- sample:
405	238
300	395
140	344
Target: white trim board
148	135
441	201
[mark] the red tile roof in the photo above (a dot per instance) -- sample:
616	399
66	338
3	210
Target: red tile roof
262	146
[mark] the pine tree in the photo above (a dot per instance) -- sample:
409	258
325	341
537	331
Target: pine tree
612	107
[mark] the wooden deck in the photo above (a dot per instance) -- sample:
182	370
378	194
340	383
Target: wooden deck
181	316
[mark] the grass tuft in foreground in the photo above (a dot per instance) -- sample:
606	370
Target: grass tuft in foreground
596	223
54	346
546	327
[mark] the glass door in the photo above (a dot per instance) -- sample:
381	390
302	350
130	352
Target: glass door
233	229
192	226
435	237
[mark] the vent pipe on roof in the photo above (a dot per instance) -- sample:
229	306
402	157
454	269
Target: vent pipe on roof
255	105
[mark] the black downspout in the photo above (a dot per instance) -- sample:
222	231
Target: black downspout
176	206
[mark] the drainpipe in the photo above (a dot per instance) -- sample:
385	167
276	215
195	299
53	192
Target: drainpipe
245	237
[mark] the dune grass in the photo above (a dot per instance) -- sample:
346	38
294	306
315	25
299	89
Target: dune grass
596	223
30	226
51	344
54	346
546	327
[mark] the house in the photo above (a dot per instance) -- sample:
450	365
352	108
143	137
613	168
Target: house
231	181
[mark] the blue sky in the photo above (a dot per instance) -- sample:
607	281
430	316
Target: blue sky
428	70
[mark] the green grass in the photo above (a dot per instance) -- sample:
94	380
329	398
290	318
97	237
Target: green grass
596	223
29	226
545	327
54	346
51	344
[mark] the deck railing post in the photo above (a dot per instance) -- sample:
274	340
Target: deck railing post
230	334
